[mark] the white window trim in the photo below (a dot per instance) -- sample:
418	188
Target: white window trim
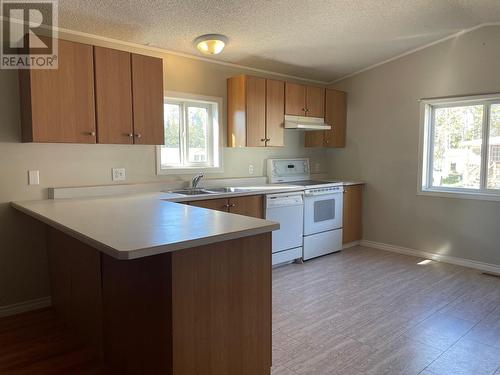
425	149
218	133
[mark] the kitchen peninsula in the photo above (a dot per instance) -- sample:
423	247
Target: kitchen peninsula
156	287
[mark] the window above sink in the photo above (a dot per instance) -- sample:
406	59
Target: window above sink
193	139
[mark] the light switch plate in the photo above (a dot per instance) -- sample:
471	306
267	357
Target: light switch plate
33	177
250	169
118	174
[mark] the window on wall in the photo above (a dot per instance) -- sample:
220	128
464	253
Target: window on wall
192	135
461	147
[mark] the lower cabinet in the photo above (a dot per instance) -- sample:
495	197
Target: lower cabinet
248	206
352	215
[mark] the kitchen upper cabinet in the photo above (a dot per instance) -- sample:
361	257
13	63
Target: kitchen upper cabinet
57	105
336	117
352	214
255	111
255	114
96	95
315	101
275	109
295	99
113	89
147	100
248	205
302	100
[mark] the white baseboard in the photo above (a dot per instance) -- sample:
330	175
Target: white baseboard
488	267
26	306
350	244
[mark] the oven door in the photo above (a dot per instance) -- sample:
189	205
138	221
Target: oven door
322	212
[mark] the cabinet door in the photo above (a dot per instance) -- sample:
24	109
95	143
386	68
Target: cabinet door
113	90
256	111
236	119
275	113
58	104
147	98
352	214
295	99
315	138
212	204
248	206
336	117
315	102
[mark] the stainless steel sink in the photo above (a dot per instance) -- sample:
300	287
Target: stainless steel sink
192	192
227	189
215	190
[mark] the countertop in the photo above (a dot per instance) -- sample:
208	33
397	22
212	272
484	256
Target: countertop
138	225
130	227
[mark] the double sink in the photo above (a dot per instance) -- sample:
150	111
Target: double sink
207	191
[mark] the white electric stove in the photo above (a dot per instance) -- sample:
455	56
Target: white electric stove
322	221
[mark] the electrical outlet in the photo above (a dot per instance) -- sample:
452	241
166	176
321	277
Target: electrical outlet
33	177
118	174
250	169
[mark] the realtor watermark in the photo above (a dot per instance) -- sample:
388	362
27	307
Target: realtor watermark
29	34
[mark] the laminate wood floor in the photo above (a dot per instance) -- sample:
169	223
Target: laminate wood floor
366	311
37	343
361	311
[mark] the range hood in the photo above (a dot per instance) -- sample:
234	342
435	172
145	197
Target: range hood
305	123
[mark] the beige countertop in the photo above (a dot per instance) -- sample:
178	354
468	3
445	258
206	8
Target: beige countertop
136	226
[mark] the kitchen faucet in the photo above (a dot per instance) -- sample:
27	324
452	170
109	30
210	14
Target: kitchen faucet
196	179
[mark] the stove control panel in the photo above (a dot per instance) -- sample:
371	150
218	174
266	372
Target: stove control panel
288	170
324	190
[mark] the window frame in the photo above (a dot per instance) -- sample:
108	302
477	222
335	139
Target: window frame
426	148
214	161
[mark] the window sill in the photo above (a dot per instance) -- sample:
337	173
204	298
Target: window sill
484	196
188	170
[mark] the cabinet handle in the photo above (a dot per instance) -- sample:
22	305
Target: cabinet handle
129	135
92	134
263	139
138	135
232	205
268	139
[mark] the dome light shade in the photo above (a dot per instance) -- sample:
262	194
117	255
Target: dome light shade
211	44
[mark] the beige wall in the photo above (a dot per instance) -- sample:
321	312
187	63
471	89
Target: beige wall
23	265
382	148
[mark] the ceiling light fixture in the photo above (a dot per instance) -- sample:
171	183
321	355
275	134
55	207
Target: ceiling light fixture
211	44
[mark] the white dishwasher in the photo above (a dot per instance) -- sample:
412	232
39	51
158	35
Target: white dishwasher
288	210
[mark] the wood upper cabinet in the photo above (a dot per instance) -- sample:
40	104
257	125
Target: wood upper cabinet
302	100
113	89
147	100
336	117
352	214
248	205
275	109
254	112
96	95
295	99
315	101
57	105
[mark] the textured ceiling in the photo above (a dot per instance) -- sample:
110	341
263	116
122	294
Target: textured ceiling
315	39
